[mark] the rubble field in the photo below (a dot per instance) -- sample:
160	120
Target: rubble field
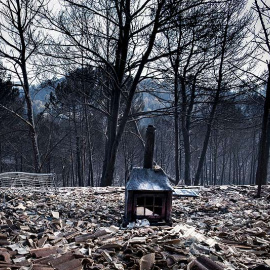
80	228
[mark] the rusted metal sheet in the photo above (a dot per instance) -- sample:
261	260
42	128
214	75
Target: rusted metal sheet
85	237
44	252
44	260
74	264
4	255
204	263
3	239
61	259
41	267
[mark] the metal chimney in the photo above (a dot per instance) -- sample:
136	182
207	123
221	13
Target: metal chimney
149	147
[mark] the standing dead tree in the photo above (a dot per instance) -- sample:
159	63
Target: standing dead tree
263	39
19	41
119	37
190	46
229	46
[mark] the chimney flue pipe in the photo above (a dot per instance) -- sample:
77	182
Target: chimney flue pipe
149	147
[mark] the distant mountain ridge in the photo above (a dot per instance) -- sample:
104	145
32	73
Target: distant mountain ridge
155	96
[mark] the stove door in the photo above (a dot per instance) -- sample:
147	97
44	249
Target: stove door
150	206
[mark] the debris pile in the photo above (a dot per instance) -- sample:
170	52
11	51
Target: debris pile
80	228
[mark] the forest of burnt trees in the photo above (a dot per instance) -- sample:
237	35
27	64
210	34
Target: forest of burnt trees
196	70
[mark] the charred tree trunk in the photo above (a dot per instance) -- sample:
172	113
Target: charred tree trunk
78	150
73	177
29	105
230	167
205	180
224	162
30	116
90	169
90	181
121	56
176	130
111	136
186	140
263	155
175	65
215	149
185	134
252	176
187	107
1	164
78	158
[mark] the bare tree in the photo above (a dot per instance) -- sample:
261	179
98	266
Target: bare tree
19	41
121	39
263	39
230	46
190	46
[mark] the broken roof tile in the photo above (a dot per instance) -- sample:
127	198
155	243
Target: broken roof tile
44	231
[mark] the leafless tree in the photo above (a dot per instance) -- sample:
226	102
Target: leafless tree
263	40
190	46
19	41
120	37
230	47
